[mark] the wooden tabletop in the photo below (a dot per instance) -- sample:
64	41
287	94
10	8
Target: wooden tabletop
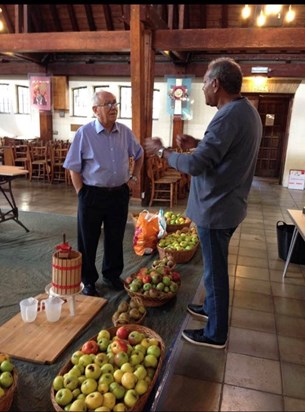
12	171
298	218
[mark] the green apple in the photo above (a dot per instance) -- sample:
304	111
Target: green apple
101	358
106	378
6	379
136	357
103	344
127	367
79	405
76	392
107	368
131	398
58	382
6	366
150	360
88	386
81	379
93	370
154	350
140	347
71	382
2	392
104	333
103	387
141	386
75	371
64	396
94	400
117	389
140	371
129	380
117	375
109	400
135	337
119	407
85	359
120	358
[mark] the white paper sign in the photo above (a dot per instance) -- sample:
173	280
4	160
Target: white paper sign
296	179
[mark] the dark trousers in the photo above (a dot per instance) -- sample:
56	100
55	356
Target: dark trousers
97	206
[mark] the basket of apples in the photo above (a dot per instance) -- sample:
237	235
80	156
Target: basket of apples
176	221
132	311
182	244
8	382
115	370
155	286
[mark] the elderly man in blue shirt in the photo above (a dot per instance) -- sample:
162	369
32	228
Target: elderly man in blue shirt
99	164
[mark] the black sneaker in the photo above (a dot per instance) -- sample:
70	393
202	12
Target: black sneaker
89	290
115	283
196	336
197	311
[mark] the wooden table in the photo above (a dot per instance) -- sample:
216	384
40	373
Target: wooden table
7	175
298	218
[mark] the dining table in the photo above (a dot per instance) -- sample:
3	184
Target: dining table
7	175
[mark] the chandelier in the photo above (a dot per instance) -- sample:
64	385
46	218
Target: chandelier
267	14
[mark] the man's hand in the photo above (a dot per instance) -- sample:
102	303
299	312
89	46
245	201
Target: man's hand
186	142
152	145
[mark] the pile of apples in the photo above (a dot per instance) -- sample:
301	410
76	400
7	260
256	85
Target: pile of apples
157	281
184	239
109	373
172	218
129	312
6	373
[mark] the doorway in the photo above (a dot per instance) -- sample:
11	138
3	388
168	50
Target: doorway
274	111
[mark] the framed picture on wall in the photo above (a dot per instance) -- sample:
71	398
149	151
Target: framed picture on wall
40	92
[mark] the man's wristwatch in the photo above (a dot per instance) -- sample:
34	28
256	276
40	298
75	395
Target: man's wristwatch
160	152
134	178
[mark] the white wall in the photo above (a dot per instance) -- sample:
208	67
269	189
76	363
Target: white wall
28	125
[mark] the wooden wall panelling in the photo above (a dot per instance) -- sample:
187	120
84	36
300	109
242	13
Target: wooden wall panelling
60	92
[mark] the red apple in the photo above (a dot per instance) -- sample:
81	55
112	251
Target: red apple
90	347
122	332
129	279
146	279
118	345
176	277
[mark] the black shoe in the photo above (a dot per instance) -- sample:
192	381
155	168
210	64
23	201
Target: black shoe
89	290
197	337
115	283
197	311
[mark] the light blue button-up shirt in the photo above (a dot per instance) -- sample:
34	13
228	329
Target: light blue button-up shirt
102	158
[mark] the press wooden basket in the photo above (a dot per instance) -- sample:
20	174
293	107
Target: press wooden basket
150	301
7	400
180	256
138	322
140	405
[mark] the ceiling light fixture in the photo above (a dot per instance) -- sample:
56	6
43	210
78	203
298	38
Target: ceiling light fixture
267	15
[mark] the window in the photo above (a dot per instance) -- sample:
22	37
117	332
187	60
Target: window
4	98
23	100
125	99
80	101
99	88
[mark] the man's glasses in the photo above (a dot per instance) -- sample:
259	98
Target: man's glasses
109	105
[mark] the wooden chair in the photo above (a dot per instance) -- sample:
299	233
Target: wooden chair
163	189
22	156
8	156
39	167
58	172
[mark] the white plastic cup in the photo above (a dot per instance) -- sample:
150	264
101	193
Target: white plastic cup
52	307
28	309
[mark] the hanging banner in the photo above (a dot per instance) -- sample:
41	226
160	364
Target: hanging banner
40	89
178	97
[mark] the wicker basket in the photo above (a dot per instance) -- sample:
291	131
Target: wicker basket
138	322
180	256
7	400
173	228
140	405
150	301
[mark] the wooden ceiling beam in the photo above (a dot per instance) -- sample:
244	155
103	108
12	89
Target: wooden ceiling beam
108	18
90	17
55	17
230	39
71	12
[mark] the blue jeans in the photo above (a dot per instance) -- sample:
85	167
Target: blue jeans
215	249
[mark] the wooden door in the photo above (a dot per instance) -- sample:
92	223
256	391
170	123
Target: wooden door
274	114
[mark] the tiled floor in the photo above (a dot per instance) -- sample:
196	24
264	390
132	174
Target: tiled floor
263	367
